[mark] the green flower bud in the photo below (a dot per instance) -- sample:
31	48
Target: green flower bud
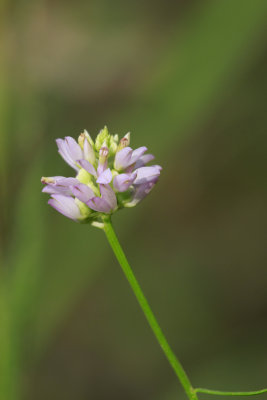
101	138
88	137
84	176
114	173
113	144
85	211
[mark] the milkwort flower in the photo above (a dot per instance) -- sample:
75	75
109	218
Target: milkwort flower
109	175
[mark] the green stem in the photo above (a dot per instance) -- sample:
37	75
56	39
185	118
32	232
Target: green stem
176	365
220	393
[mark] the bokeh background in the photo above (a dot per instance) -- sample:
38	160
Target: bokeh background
188	79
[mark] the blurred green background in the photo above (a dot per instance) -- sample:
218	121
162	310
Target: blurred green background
188	79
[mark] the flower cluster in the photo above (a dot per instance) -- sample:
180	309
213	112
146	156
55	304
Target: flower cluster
109	175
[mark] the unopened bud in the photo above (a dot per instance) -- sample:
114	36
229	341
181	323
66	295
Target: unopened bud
124	142
103	154
85	135
88	137
113	144
81	140
84	210
88	151
103	159
102	137
46	180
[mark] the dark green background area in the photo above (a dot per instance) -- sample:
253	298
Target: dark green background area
188	79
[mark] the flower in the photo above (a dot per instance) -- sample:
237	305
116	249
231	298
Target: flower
110	175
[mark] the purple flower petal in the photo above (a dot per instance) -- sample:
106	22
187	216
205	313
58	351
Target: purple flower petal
74	149
64	152
101	168
142	161
99	204
65	205
123	158
61	181
82	192
87	166
141	191
122	182
106	203
53	189
138	153
147	174
108	195
105	177
70	150
59	184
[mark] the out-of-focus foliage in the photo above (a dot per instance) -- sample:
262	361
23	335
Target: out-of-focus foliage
188	79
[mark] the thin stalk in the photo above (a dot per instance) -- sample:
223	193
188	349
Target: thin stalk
220	393
176	365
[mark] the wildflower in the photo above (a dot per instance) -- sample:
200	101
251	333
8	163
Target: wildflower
110	175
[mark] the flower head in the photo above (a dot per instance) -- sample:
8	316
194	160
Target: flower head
110	175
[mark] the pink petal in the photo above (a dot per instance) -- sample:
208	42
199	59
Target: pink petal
74	149
53	189
123	158
82	192
109	196
105	177
64	152
142	161
141	192
87	166
147	174
138	153
106	203
99	204
65	205
122	182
